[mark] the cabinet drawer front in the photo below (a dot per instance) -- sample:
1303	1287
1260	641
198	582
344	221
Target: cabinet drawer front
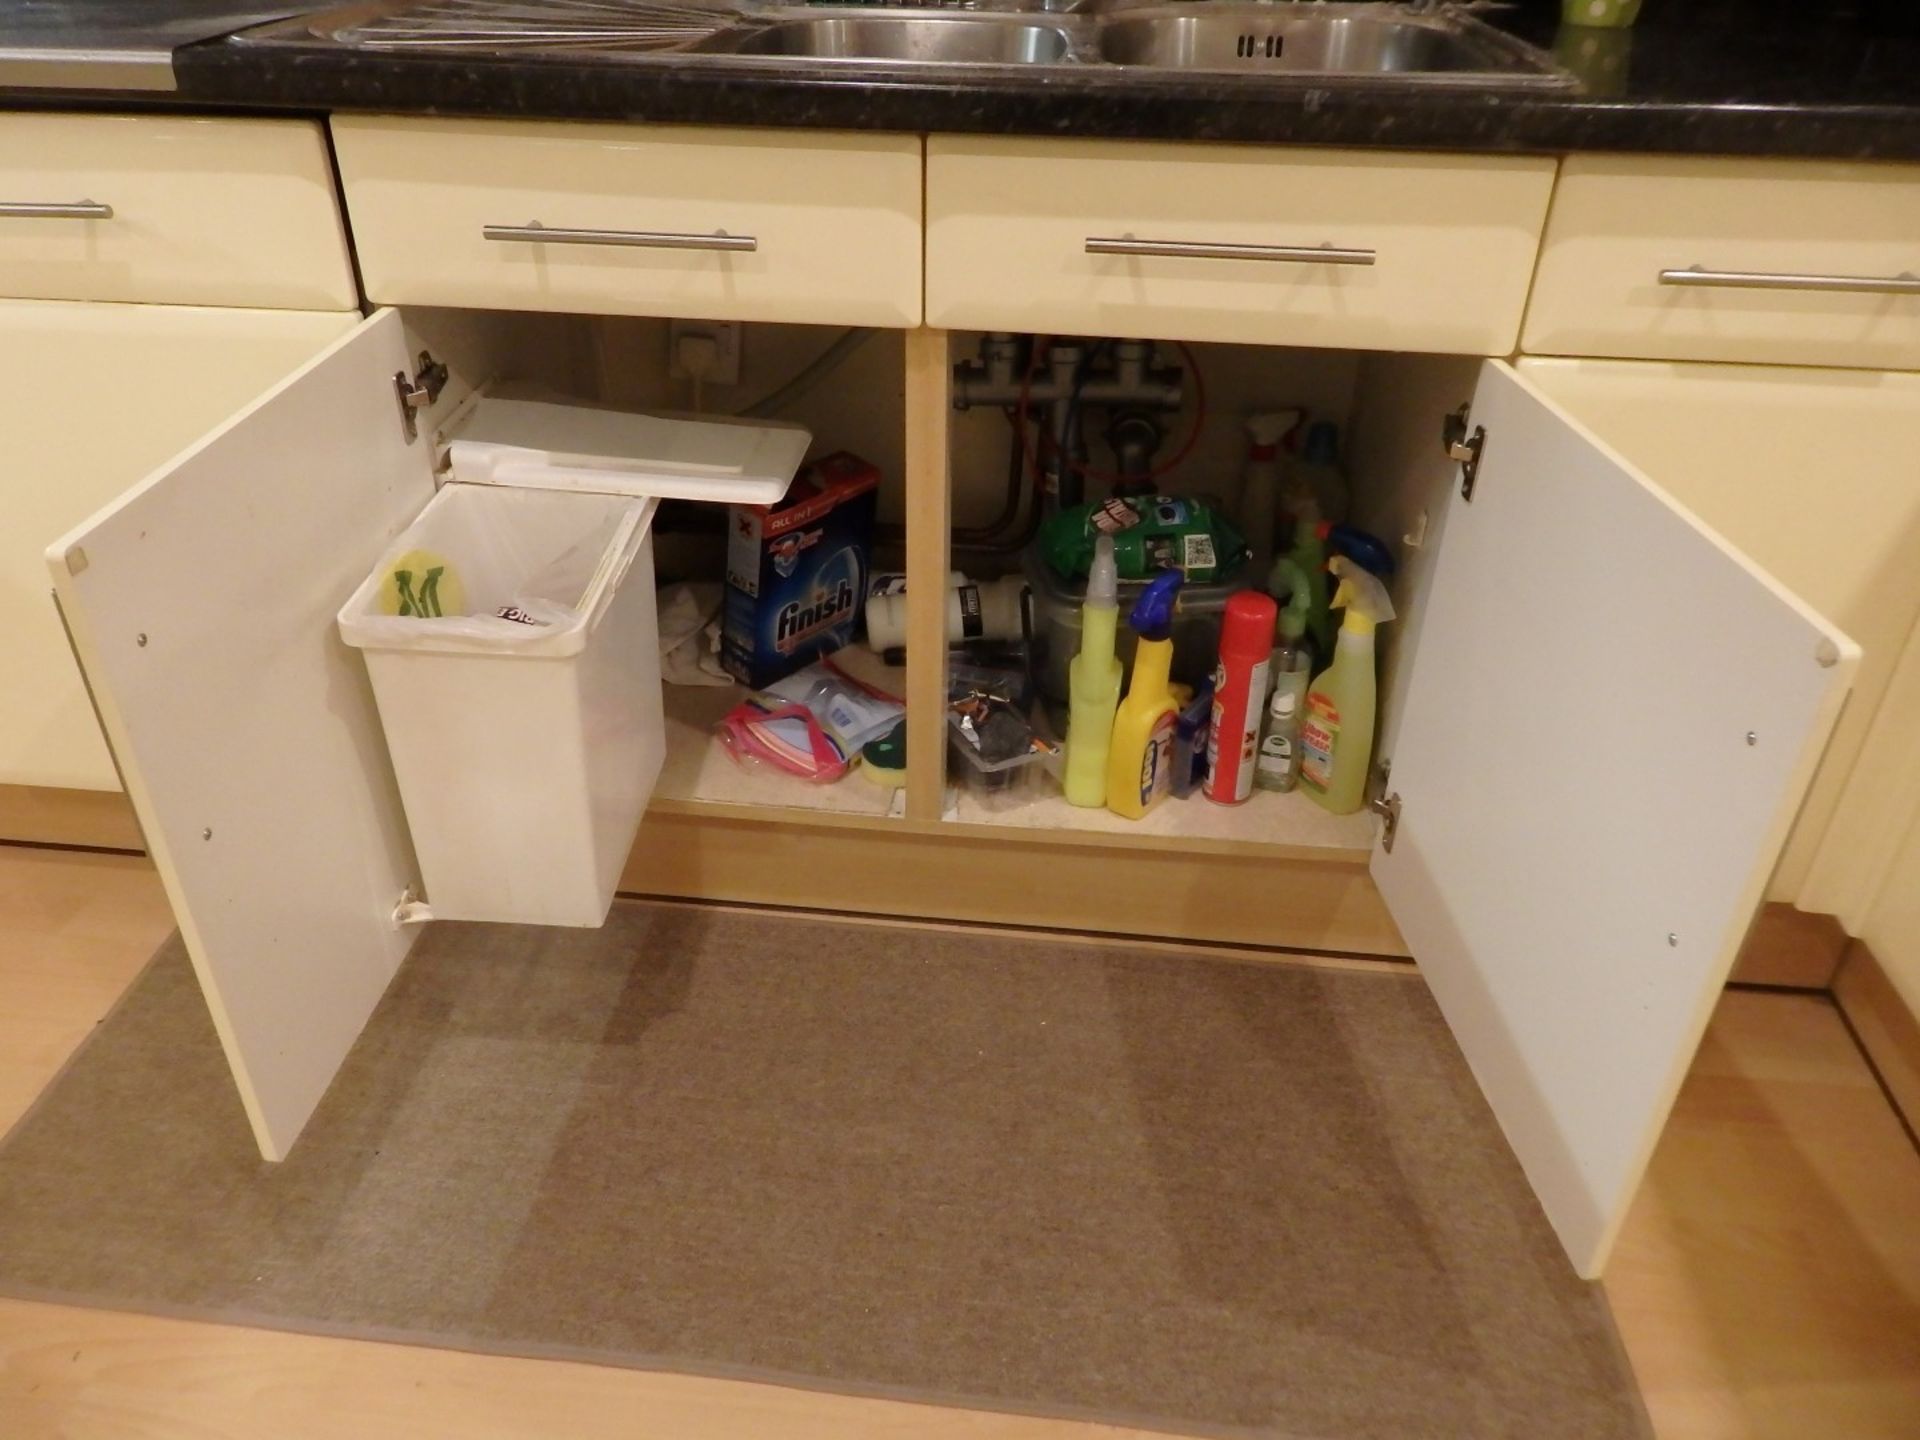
1207	242
170	211
1794	262
729	225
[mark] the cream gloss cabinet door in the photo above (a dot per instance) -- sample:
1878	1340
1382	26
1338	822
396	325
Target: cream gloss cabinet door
202	605
1609	719
171	210
797	226
1361	249
1792	262
90	397
1814	474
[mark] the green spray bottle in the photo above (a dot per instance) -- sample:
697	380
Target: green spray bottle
1309	552
1336	735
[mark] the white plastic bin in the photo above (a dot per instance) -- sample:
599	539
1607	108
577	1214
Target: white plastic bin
524	755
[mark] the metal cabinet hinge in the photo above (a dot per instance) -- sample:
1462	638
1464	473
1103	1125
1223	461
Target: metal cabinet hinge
1464	447
1384	803
1387	807
418	391
410	909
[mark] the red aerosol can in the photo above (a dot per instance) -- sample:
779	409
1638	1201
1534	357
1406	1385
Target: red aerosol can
1239	696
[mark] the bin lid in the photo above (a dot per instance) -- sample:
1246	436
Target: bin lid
548	445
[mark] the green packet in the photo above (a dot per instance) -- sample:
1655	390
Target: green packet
1150	533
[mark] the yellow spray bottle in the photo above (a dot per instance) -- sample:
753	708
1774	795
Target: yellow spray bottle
1140	757
1336	734
1094	683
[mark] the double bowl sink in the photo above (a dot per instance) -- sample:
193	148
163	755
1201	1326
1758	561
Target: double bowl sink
1317	40
1325	40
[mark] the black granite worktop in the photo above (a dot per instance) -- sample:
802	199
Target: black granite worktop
1763	77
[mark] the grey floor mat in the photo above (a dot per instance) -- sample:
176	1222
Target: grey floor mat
1135	1185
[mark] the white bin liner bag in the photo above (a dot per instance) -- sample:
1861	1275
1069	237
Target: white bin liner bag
496	570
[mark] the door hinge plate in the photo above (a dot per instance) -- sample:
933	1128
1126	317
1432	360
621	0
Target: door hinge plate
1464	446
1387	807
417	391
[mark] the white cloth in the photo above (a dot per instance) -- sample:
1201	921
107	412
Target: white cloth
690	635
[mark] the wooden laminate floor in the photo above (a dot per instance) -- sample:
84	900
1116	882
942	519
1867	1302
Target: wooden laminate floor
1767	1285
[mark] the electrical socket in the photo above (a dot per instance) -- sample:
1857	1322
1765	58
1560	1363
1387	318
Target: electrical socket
726	343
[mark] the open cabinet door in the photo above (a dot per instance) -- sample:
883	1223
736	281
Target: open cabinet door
1609	721
201	606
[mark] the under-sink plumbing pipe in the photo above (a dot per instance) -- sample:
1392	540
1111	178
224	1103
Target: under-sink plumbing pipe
1056	390
1134	436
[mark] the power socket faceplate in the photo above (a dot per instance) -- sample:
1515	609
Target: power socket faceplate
726	337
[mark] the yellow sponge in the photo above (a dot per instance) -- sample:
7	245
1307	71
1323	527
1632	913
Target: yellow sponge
421	583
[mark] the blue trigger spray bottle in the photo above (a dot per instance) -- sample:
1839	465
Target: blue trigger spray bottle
1140	755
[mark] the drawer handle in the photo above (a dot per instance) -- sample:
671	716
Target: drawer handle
640	239
1904	283
53	210
1200	250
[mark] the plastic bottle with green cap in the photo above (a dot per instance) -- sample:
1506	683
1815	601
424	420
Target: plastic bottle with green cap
1140	755
1336	734
1094	683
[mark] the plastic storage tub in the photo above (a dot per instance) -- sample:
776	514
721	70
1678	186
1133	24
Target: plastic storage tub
524	755
1056	625
1007	784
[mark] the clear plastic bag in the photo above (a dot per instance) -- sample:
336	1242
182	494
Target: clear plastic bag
812	724
478	549
787	738
552	594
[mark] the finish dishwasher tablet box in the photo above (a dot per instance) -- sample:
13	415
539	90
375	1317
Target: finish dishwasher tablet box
797	571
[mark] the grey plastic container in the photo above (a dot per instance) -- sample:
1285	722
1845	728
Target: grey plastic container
1056	625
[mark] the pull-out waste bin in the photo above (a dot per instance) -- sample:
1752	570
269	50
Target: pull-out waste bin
511	640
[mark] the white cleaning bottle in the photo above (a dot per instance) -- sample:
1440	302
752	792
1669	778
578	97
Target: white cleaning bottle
1260	486
1094	683
1336	734
1278	767
1316	469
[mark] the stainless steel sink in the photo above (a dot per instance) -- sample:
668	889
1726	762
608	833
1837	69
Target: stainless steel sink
931	38
1326	41
1297	42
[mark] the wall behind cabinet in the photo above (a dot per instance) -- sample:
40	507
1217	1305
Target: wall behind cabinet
862	406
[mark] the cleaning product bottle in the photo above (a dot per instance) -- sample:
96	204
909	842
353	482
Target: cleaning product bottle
1190	730
1239	696
976	610
1317	468
1336	736
1260	485
1140	760
1094	683
1278	766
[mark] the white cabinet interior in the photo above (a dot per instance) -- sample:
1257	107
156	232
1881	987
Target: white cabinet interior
1607	722
244	729
1553	748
